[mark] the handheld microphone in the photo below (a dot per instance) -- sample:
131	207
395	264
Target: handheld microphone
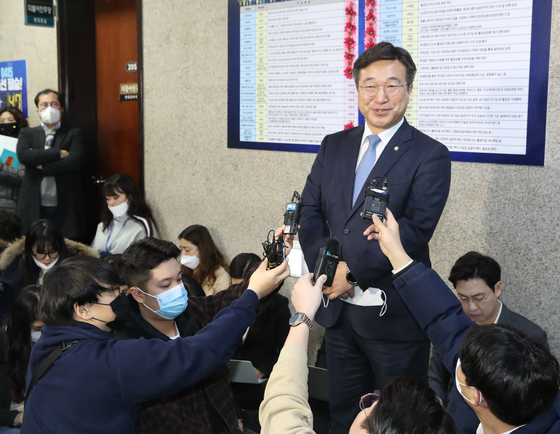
327	261
291	216
274	250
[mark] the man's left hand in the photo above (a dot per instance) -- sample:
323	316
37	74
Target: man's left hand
340	287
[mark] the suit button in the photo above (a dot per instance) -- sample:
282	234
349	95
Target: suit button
346	231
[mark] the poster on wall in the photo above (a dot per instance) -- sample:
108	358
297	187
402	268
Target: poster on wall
13	85
481	86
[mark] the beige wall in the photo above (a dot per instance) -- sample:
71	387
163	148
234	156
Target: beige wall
509	212
36	45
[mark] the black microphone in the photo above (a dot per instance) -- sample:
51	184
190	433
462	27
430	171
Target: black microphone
327	261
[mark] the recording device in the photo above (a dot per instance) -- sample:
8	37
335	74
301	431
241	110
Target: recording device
291	216
274	250
327	261
376	200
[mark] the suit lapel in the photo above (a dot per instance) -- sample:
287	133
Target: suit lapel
394	150
350	148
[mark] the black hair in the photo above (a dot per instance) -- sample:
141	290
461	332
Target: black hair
409	406
44	235
115	261
21	120
125	184
77	280
10	225
473	265
242	265
210	256
516	374
385	51
23	312
46	92
141	257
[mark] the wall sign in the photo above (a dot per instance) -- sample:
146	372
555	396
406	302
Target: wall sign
131	67
39	13
128	92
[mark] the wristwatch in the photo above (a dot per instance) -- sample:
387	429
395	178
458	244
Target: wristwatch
298	318
350	278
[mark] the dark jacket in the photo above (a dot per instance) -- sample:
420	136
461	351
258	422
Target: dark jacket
12	260
71	217
262	347
98	384
206	405
441	316
7	416
440	378
10	183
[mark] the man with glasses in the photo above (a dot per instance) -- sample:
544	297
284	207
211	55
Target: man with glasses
53	155
477	280
371	338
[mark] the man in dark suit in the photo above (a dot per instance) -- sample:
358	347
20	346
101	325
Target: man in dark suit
504	379
53	155
371	338
477	280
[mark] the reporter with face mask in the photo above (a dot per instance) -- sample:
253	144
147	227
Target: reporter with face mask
53	155
126	219
12	120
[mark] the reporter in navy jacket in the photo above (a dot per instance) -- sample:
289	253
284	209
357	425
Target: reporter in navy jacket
505	381
99	383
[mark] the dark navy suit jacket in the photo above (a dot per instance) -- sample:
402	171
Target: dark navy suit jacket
418	171
441	316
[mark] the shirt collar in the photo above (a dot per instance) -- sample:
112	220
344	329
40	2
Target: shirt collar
385	135
500	312
53	129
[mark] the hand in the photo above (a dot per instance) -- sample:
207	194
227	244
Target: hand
288	239
260	375
264	281
240	425
63	153
40	167
340	287
389	239
306	296
19	419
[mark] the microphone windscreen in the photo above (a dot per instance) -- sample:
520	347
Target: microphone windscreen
332	246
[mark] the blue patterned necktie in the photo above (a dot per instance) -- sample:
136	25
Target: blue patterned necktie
365	166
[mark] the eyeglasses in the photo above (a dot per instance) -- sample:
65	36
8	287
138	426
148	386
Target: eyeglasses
478	299
112	288
390	89
43	255
367	401
53	104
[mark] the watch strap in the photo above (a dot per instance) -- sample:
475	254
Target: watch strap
300	317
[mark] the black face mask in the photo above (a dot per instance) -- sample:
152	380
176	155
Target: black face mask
10	130
121	308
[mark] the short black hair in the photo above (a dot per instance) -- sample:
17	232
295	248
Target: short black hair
516	374
385	51
473	265
10	225
76	280
242	265
141	257
46	92
115	261
409	406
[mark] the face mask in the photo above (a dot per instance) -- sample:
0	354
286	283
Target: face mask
121	308
458	384
35	336
190	261
45	266
50	116
172	302
119	210
8	129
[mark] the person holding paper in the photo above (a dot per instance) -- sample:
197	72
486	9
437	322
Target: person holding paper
12	120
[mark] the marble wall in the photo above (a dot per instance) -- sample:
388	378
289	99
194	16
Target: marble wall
508	212
36	45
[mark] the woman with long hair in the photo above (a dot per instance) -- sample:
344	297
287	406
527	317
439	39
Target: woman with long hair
12	120
127	217
18	337
202	260
26	260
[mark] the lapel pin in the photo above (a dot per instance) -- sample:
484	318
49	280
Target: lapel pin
396	148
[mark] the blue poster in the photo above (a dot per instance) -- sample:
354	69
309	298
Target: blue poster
13	85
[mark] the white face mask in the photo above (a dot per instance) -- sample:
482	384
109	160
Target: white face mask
45	266
119	210
50	115
458	384
35	336
190	261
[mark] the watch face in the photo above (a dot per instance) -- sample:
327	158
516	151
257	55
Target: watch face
295	318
